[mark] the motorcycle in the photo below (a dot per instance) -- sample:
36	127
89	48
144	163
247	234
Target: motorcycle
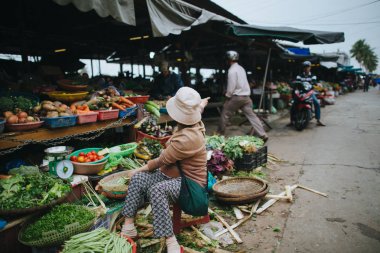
302	104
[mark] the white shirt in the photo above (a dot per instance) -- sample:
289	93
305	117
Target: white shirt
237	82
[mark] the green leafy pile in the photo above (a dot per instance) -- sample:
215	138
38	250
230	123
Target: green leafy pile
57	219
15	104
6	104
153	146
233	148
24	170
215	142
27	191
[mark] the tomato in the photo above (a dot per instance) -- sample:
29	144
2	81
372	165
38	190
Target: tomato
74	158
81	159
81	154
87	160
100	157
93	159
93	152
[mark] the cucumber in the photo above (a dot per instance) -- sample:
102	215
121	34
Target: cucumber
153	104
153	110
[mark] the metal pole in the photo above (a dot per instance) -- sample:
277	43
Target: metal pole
92	69
121	67
265	78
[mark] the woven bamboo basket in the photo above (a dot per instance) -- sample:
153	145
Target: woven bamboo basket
243	199
238	187
114	191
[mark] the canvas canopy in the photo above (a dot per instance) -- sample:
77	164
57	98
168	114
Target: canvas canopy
121	10
308	37
175	16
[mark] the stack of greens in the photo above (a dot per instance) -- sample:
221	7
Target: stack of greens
56	220
26	191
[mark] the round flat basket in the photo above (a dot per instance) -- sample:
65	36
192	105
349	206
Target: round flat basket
238	186
106	184
6	212
243	199
54	238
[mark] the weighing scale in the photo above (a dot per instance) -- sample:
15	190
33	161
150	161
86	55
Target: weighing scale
57	161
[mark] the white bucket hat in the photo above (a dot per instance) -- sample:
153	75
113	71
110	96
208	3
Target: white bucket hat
184	107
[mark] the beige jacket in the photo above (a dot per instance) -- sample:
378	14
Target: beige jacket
187	145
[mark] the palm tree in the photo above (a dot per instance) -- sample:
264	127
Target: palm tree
365	55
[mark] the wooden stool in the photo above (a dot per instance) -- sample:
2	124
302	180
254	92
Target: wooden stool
178	224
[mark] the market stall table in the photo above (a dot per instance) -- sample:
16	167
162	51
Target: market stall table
14	139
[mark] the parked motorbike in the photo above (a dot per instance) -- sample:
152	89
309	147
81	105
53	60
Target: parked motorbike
303	104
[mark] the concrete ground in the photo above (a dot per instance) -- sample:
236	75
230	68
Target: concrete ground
342	160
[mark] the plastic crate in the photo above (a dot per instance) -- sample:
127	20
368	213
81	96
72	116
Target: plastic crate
139	99
140	135
90	117
108	114
131	111
65	121
252	161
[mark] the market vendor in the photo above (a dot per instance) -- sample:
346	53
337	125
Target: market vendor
159	181
166	83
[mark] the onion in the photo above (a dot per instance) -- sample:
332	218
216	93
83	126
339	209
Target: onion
30	119
12	119
21	120
7	114
22	115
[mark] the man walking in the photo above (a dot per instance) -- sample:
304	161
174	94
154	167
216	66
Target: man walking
238	97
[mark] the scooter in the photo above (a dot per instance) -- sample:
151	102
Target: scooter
302	104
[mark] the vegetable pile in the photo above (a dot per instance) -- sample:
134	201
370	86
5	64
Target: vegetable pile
59	217
90	156
97	241
215	142
151	127
52	109
148	149
30	191
219	163
16	104
237	145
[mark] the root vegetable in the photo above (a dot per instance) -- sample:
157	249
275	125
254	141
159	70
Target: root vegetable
22	120
7	114
37	108
22	115
12	119
30	119
48	107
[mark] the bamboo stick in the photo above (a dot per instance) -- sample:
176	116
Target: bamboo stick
276	196
253	210
238	214
289	193
201	235
312	190
233	233
272	201
150	243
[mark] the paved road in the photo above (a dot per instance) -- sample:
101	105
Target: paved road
342	160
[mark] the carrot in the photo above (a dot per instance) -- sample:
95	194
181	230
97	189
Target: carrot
127	101
117	106
73	107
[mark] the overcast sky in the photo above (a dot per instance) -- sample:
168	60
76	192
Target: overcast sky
358	19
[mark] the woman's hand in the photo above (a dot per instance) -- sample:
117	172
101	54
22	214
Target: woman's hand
204	103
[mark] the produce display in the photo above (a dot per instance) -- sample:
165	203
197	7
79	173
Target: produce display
38	189
90	156
51	109
24	170
16	104
219	163
20	118
56	220
97	241
153	108
130	163
237	145
148	149
151	127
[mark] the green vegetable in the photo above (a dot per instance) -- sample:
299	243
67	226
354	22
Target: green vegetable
215	142
153	104
130	164
6	104
99	240
30	190
59	217
276	229
23	104
234	150
24	170
153	146
153	110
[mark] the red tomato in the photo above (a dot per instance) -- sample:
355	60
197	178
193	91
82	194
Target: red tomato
81	159
74	158
100	157
81	154
93	159
87	160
